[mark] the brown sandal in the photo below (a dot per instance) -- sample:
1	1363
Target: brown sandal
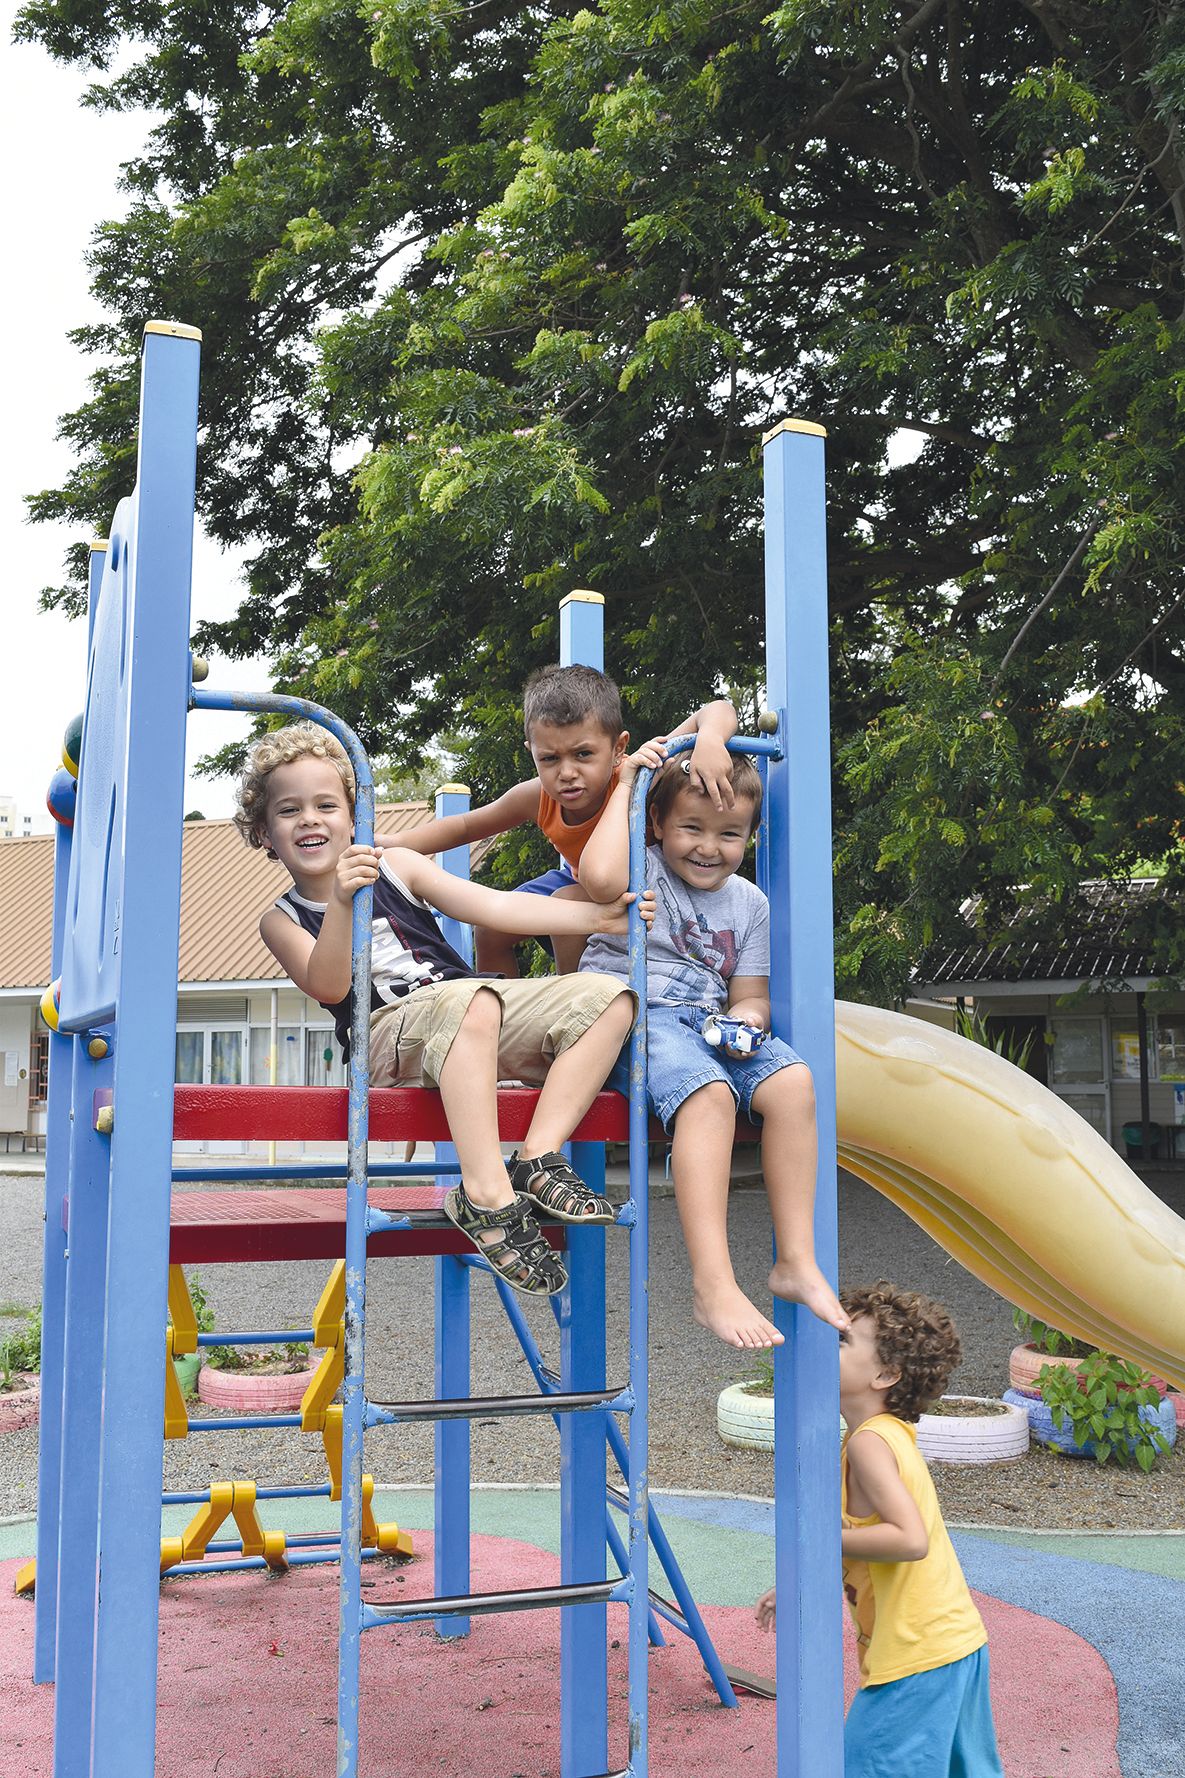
520	1255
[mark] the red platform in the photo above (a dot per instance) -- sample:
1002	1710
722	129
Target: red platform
298	1223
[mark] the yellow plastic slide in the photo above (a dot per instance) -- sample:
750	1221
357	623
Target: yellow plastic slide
1012	1183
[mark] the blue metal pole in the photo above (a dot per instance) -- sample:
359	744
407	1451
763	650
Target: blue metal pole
353	1387
452	1371
637	1468
156	549
797	867
584	1679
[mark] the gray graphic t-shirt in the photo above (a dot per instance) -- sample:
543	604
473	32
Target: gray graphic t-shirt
698	942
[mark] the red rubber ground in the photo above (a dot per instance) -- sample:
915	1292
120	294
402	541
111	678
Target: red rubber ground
248	1665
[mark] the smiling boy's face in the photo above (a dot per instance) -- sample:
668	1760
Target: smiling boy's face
309	823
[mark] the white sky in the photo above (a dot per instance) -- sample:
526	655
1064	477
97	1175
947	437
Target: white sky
63	166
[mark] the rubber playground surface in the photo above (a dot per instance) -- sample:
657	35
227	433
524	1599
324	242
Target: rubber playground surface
1084	1634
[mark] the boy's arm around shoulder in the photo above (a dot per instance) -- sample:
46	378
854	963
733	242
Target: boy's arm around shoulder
511	809
605	860
873	1477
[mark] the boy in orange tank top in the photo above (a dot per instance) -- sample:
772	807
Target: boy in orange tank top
576	736
923	1707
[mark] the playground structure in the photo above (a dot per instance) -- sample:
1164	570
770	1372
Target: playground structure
1001	1173
111	1230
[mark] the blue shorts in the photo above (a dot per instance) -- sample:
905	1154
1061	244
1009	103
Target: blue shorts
928	1725
679	1062
549	882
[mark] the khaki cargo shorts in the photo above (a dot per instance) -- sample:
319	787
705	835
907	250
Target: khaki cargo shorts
540	1019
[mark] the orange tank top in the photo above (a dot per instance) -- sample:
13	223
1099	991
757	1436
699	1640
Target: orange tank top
570	839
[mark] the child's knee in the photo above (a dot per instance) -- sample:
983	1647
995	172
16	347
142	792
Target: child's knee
483	1015
790	1090
714	1099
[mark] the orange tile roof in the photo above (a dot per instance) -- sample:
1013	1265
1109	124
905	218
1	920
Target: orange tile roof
225	886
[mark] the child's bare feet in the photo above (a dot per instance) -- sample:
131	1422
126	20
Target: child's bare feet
726	1311
801	1281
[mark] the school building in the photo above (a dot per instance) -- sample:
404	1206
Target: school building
1103	1037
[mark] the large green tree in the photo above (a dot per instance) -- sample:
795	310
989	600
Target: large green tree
498	300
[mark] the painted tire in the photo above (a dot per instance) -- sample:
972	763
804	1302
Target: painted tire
1178	1402
1025	1365
252	1395
743	1420
974	1438
21	1407
1056	1439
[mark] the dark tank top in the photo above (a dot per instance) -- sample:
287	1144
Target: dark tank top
407	950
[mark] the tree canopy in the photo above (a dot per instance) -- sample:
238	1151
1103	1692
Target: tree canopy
498	300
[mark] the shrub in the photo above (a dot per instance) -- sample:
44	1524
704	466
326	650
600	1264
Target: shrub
21	1351
1101	1402
1048	1339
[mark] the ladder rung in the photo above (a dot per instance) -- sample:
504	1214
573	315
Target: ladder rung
386	1413
476	1604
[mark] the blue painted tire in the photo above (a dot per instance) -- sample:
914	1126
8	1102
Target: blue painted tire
1044	1432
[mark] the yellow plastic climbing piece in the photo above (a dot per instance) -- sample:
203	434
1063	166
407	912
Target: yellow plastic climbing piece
26	1580
185	1327
176	1414
329	1330
388	1538
227	1500
331	1438
327	1316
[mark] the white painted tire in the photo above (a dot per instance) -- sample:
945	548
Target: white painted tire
974	1438
745	1420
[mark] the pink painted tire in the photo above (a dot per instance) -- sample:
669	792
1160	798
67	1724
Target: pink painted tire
1025	1365
1178	1401
976	1438
21	1407
252	1395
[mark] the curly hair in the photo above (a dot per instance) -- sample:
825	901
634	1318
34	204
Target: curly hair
283	747
914	1336
671	779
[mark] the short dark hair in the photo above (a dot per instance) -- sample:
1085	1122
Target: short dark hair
565	696
666	785
914	1336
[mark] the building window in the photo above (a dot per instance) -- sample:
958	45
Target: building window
1077	1050
39	1068
289	1056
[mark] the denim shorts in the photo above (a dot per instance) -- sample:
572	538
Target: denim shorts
679	1062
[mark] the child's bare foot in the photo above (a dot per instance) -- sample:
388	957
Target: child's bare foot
726	1311
801	1281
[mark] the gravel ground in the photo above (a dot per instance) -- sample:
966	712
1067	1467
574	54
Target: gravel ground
688	1369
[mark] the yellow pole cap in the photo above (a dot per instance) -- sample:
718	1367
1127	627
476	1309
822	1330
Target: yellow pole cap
453	790
175	329
581	596
807	426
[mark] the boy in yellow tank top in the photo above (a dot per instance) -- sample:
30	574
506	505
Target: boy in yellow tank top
923	1707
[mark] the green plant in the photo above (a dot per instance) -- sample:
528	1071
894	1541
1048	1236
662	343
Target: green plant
21	1351
973	1027
202	1312
1100	1402
1049	1339
760	1380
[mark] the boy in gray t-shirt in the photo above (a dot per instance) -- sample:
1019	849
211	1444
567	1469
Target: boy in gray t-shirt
708	953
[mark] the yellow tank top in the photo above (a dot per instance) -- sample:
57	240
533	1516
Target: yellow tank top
570	840
910	1616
